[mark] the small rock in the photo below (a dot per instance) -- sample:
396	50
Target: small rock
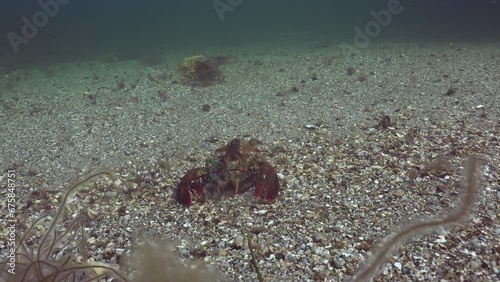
440	239
397	265
108	252
239	240
205	108
475	264
319	251
150	232
336	228
351	71
339	262
451	91
257	230
92	214
291	258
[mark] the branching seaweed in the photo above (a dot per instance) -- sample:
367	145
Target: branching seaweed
366	272
53	258
253	260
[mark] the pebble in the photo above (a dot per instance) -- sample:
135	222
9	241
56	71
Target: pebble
330	160
339	262
239	240
92	214
184	253
319	268
108	251
319	251
151	232
440	239
291	258
475	264
336	228
110	195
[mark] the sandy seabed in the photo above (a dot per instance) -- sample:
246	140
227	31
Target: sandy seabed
346	182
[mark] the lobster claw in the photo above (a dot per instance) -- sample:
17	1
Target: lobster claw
190	183
267	185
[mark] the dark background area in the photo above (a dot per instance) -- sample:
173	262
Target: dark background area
99	30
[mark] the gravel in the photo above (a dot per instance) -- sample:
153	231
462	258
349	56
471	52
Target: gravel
348	179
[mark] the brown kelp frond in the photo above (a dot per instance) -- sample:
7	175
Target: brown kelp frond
157	261
253	260
468	196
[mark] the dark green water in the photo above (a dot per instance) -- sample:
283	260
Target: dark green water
70	30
